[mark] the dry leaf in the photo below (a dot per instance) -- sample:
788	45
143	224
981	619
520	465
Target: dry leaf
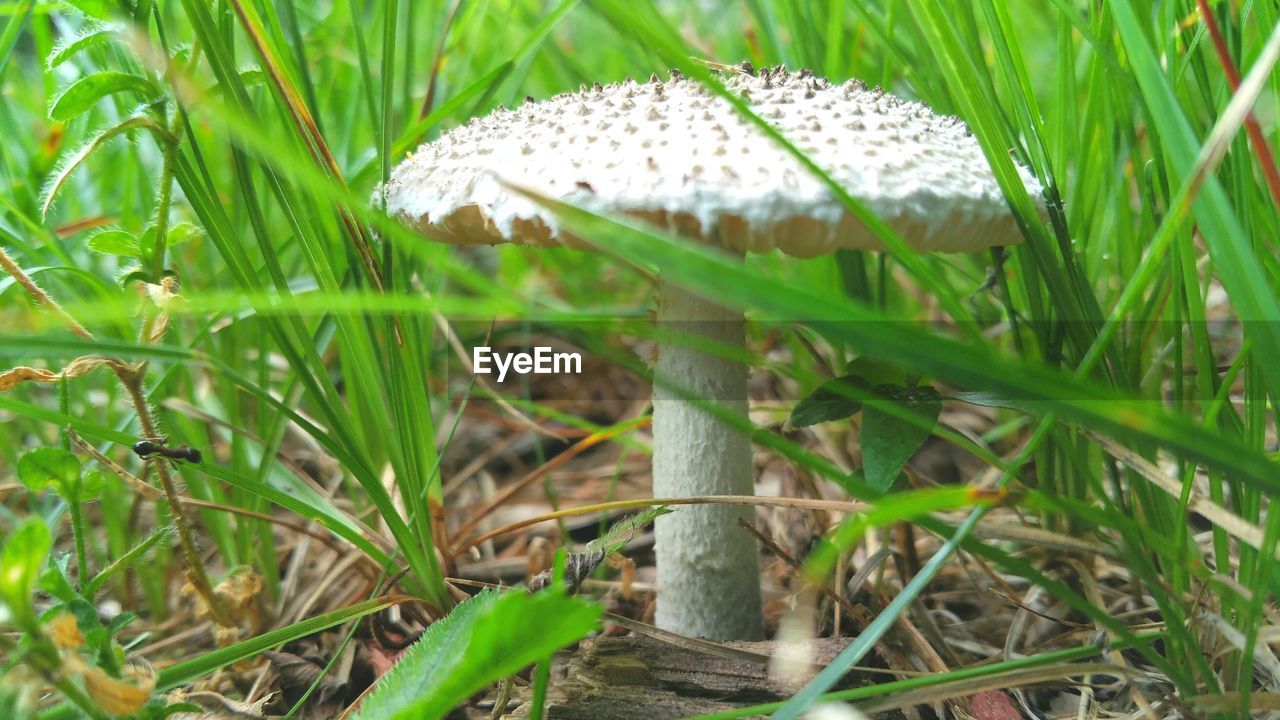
165	297
297	675
239	591
120	696
219	707
64	631
10	379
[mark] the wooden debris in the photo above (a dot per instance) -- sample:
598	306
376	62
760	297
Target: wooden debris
610	677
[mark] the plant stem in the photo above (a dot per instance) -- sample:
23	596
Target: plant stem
164	199
77	533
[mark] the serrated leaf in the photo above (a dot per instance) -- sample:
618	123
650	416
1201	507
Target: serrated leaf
99	139
115	242
833	400
48	466
895	423
88	90
24	554
621	532
489	637
68	48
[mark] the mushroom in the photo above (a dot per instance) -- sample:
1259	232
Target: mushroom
671	153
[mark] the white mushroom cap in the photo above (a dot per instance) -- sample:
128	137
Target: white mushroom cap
675	154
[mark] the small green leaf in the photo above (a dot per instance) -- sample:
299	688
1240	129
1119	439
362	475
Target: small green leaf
895	422
181	233
115	242
833	400
54	579
876	371
91	484
120	622
24	555
147	241
489	637
68	48
621	532
133	274
88	90
43	467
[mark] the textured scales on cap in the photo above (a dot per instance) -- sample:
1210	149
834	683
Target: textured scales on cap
676	155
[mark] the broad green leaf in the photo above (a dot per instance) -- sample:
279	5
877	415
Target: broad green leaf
68	48
833	400
115	242
895	422
88	90
47	466
489	637
24	554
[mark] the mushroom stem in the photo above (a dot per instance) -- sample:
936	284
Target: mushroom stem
708	568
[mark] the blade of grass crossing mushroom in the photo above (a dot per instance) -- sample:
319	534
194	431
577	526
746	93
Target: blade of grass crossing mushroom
703	270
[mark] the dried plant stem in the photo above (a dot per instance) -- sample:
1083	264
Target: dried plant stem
132	382
40	295
131	378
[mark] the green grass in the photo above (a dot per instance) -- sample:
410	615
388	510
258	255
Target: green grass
251	135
